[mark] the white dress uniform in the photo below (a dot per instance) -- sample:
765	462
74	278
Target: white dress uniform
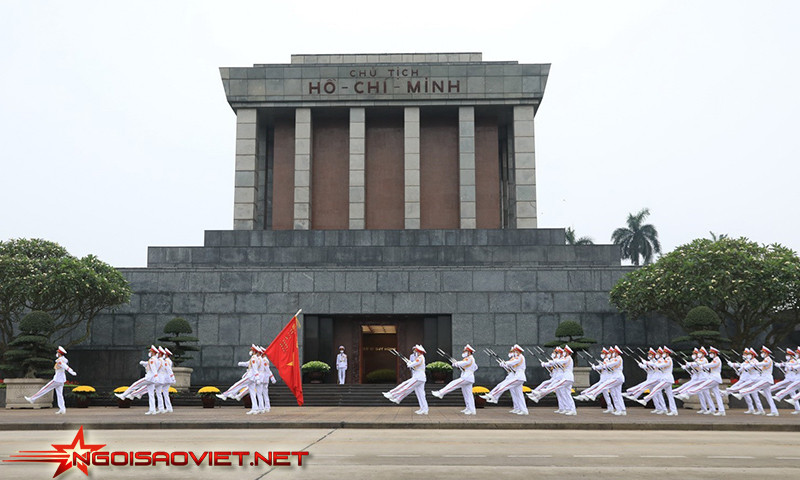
416	383
341	365
665	378
60	367
162	381
266	377
247	381
170	376
513	382
790	386
764	381
468	367
144	384
650	381
747	376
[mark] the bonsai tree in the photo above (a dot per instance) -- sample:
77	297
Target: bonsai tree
571	333
30	354
176	330
702	325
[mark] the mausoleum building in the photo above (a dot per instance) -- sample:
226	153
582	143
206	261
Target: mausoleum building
392	197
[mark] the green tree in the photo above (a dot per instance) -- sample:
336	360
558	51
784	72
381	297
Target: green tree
702	325
571	240
31	354
570	333
637	239
40	275
177	328
750	287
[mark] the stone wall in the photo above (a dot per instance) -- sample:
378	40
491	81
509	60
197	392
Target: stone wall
500	287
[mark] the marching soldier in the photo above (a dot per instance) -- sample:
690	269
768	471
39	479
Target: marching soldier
416	383
57	383
663	366
562	381
515	366
341	364
747	376
649	366
601	386
468	366
791	382
763	382
248	380
170	379
146	383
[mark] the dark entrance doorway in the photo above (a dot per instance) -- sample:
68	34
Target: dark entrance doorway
365	338
377	364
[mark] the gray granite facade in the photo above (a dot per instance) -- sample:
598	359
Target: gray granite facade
500	287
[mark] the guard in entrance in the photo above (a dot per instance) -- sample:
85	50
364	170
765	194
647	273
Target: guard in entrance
341	364
468	367
416	383
57	383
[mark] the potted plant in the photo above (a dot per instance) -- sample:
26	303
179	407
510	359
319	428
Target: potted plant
121	402
208	396
477	391
28	356
439	371
570	333
83	395
176	340
315	370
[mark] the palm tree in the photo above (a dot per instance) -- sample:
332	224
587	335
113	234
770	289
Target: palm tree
637	240
581	241
716	238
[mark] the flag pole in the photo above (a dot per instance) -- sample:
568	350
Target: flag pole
295	316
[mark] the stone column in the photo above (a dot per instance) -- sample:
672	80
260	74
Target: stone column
302	169
246	183
411	157
357	169
466	166
524	166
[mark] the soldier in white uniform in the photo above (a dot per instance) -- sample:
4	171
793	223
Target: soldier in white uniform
601	386
170	376
341	364
663	367
162	379
146	383
710	384
57	383
416	383
747	376
515	366
652	379
563	378
764	381
248	380
790	386
265	378
468	366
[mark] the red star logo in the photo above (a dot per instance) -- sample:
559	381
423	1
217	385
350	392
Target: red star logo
63	454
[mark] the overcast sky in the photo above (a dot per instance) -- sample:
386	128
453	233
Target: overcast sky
115	134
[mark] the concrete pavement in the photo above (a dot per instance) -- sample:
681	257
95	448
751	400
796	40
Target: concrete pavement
389	417
442	454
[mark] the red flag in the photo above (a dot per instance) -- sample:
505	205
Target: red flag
284	353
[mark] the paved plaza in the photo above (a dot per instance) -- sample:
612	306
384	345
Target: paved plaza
388	417
339	453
